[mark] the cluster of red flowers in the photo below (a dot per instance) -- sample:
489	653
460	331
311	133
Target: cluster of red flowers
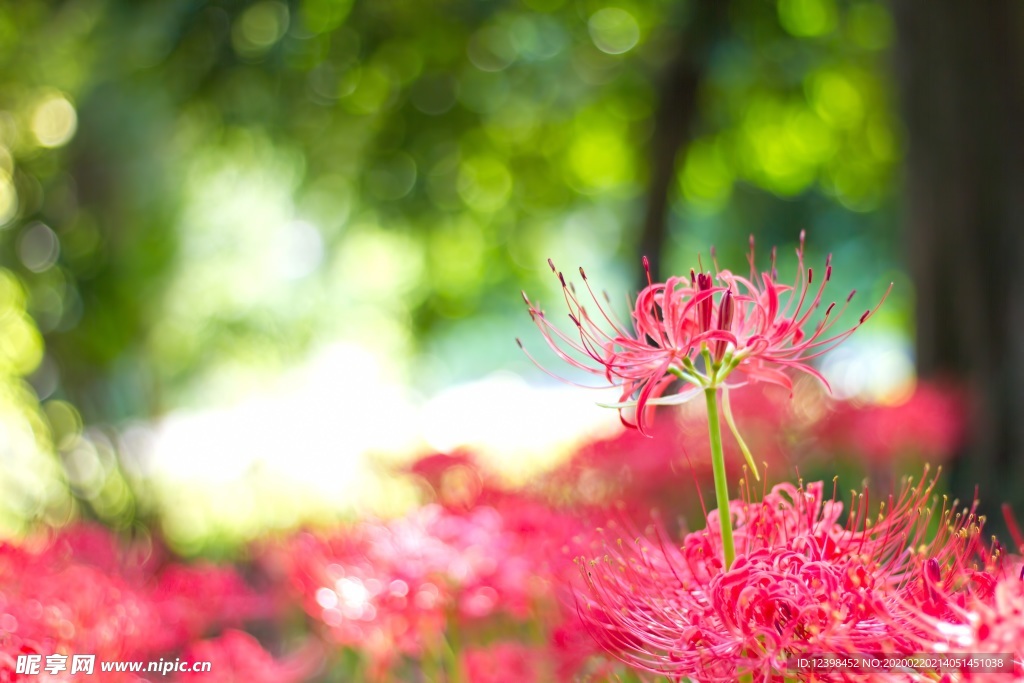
80	592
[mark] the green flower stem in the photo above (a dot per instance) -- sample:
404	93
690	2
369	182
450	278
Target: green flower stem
718	468
731	421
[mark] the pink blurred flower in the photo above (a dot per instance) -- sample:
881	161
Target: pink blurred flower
457	480
506	662
351	583
577	655
91	544
929	424
237	657
190	599
757	326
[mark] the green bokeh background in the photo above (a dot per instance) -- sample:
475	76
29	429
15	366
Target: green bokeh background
195	193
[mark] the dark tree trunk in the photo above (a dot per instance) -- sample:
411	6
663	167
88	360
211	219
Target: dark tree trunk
961	82
674	120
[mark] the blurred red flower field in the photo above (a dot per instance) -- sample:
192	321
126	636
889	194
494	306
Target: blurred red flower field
483	582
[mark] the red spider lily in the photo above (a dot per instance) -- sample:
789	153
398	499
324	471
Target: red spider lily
49	607
802	583
757	326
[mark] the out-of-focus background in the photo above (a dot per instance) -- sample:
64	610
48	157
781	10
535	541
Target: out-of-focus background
254	254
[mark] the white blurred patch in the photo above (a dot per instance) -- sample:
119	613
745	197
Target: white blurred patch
314	426
302	249
519	426
311	443
871	368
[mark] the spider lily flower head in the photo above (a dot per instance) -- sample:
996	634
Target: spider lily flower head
803	582
979	611
698	329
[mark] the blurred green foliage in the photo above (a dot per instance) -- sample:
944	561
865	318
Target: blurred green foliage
192	189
